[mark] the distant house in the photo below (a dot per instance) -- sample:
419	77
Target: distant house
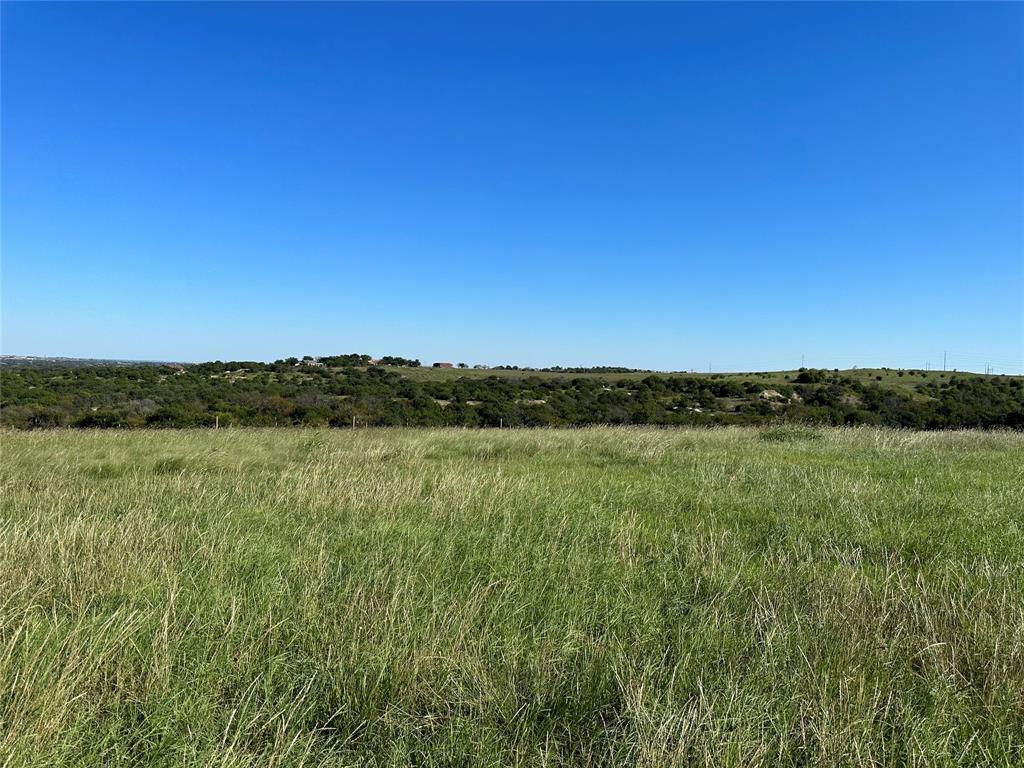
444	365
374	361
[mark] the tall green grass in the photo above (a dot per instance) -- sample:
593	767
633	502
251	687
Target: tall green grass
485	598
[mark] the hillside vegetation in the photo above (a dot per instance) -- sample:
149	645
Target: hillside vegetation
348	393
606	597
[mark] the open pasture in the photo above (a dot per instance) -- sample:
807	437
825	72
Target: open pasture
629	597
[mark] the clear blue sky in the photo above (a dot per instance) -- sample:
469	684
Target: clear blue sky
661	186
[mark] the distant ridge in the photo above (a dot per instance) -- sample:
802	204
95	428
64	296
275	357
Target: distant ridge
33	361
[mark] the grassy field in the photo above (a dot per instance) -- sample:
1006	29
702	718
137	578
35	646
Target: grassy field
626	597
904	381
889	376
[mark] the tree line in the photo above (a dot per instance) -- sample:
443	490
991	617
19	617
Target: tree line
242	393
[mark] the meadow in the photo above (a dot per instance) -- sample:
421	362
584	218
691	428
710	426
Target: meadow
775	596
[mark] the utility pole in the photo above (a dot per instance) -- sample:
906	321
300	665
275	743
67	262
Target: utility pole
801	359
943	361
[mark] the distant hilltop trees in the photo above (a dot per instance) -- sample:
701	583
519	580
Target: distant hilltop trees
360	360
348	361
400	362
